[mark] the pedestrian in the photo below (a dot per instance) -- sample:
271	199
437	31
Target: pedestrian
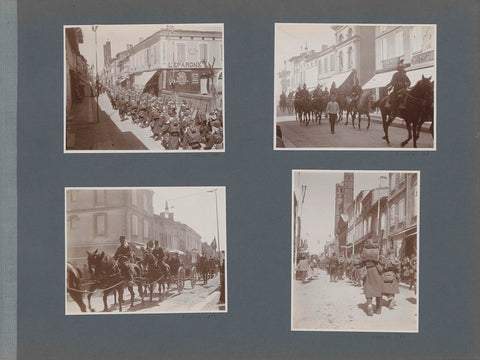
373	283
332	267
332	110
390	277
302	268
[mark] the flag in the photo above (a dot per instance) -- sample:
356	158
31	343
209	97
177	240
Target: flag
214	244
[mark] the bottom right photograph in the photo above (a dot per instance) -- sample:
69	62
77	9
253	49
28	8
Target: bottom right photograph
355	243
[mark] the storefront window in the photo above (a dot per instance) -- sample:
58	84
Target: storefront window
134	225
203	52
180	52
100	223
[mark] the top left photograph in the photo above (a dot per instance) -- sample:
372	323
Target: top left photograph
144	88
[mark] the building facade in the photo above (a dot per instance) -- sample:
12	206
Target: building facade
351	55
97	218
174	235
403	207
415	45
77	81
187	63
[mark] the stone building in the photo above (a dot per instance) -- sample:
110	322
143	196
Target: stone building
96	218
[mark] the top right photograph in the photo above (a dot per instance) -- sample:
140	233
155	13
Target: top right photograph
355	87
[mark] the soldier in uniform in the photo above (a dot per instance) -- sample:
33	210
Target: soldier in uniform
124	256
332	267
399	82
390	277
123	250
356	90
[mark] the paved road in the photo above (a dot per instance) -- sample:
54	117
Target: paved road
200	299
346	136
322	305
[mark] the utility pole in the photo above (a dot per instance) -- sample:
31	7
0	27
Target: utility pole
218	233
94	28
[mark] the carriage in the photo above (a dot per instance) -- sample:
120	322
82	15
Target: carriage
186	271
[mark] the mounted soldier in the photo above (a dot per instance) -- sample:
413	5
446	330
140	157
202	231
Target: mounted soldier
356	90
399	82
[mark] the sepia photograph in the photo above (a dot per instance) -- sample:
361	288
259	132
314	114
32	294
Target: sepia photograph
145	250
355	250
355	87
144	88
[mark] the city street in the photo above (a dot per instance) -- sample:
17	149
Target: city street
203	298
109	132
318	136
322	305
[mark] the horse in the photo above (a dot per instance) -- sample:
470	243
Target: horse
417	104
363	108
111	276
155	273
74	276
302	104
350	105
318	105
203	268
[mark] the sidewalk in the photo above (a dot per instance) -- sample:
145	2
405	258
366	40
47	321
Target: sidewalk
84	132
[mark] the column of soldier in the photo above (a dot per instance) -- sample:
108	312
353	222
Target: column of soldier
175	124
378	270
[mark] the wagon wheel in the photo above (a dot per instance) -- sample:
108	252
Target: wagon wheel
181	279
193	277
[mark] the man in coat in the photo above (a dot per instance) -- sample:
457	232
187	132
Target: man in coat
332	267
390	277
373	283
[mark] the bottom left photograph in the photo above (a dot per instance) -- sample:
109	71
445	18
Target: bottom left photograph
145	250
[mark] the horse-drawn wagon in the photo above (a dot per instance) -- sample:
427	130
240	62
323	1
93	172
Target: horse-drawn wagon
183	270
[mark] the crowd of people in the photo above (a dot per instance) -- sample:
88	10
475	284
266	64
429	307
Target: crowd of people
378	270
176	124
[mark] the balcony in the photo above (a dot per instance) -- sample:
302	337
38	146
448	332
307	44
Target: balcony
391	63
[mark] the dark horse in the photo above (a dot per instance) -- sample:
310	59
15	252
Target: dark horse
302	104
417	108
350	104
154	272
363	107
110	276
74	286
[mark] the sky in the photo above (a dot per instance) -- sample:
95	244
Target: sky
121	35
289	38
318	218
195	206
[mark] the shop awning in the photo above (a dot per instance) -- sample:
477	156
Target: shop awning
379	80
142	79
340	79
416	75
382	79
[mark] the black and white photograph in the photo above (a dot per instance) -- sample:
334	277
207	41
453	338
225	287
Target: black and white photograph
144	88
355	250
355	87
145	250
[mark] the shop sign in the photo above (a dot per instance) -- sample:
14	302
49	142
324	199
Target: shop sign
181	78
423	57
188	65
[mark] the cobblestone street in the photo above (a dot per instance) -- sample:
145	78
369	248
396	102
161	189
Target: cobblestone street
323	305
319	136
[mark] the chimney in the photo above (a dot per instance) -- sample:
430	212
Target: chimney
324	47
129	46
